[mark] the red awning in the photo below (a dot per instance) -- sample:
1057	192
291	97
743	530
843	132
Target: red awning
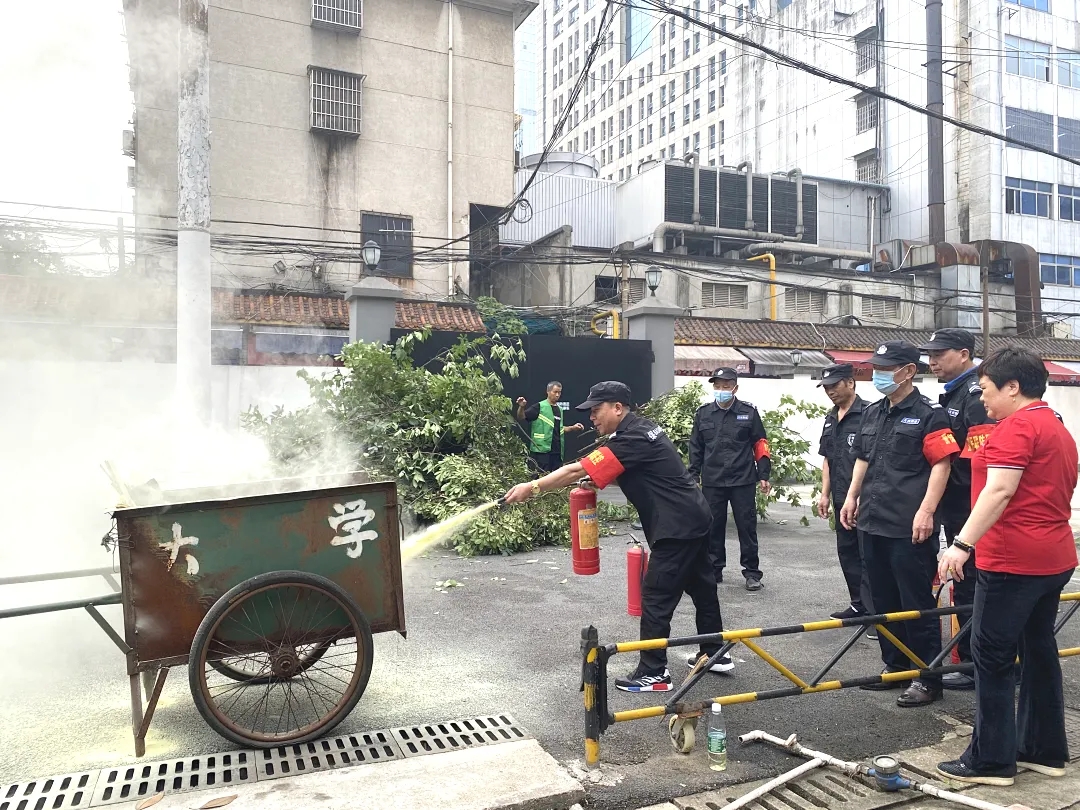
855	358
1062	375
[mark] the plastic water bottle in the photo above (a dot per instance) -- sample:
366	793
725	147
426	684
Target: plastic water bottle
717	739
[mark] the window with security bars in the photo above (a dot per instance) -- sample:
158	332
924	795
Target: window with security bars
865	113
882	308
1032	128
1068	139
394	234
799	299
338	13
866	51
866	169
336	101
732	296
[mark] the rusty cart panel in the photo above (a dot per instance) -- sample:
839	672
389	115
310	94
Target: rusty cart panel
178	559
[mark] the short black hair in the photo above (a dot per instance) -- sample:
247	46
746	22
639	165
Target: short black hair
1016	363
552	384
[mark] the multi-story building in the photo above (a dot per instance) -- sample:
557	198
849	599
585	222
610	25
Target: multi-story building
663	86
527	97
331	123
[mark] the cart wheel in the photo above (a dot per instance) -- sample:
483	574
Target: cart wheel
681	731
270	628
241	668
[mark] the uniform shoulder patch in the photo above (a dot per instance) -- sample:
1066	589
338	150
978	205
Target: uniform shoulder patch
748	404
654	433
974	389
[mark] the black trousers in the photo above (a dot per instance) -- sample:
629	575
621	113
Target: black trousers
547	462
849	551
744	510
1015	614
901	578
677	567
963	592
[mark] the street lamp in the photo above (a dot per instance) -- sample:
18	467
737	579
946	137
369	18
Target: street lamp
796	358
652	278
371	253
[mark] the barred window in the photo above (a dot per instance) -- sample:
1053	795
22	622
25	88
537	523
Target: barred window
880	307
733	296
866	51
336	101
866	169
1032	128
395	236
800	299
1069	137
338	13
865	113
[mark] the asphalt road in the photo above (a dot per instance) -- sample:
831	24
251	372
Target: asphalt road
507	641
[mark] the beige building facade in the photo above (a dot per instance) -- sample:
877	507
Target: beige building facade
331	124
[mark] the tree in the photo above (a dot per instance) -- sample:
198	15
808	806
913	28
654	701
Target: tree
24	253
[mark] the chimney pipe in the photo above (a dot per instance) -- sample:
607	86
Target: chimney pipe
696	161
799	229
749	224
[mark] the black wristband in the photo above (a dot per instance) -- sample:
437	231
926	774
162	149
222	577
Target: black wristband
960	544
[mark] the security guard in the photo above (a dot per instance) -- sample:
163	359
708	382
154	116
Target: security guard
837	448
905	447
548	421
729	454
952	353
642	460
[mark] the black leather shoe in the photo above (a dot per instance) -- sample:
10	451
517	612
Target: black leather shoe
918	694
885	686
850	612
957	681
753	584
958	771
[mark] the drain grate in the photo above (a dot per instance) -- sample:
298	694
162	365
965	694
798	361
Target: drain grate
343	751
457	735
64	792
818	790
134	782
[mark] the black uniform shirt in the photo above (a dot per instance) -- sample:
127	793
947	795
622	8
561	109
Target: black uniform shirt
648	469
728	446
901	444
963	404
838	446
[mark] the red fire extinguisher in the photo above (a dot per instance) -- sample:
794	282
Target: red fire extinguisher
637	563
584	531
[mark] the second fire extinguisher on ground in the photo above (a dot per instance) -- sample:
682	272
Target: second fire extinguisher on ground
637	564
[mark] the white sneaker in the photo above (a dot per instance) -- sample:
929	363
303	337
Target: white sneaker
723	665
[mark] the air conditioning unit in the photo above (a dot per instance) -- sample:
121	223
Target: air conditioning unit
128	147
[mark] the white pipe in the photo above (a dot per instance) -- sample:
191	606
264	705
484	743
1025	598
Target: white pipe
707	230
799	227
450	287
806	250
854	769
750	224
782	779
693	157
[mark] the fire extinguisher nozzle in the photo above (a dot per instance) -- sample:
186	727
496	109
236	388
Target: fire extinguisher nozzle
501	501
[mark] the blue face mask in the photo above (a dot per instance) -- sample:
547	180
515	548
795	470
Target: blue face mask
884	382
723	397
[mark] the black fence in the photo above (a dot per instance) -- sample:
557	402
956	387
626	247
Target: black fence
578	363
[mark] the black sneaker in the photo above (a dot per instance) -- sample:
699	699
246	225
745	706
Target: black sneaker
850	612
959	771
720	578
637	681
957	681
753	584
871	633
724	665
884	686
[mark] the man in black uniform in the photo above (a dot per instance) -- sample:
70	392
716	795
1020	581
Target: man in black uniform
641	458
838	450
904	449
951	354
729	454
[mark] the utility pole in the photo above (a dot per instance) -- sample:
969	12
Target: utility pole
624	285
193	212
984	277
935	104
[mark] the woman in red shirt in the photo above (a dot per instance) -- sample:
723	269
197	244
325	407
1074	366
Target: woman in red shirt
1022	481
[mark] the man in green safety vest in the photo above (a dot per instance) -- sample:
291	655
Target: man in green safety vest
547	420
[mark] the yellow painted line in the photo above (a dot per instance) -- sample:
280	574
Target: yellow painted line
901	646
639	714
590	696
772	662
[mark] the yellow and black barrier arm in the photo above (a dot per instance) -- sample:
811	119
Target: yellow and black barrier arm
599	718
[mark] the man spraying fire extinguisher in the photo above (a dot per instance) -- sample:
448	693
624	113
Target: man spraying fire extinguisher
674	515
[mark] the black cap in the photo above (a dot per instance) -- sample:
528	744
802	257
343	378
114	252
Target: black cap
895	353
950	339
610	391
830	375
724	374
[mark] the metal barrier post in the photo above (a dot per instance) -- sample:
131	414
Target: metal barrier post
590	685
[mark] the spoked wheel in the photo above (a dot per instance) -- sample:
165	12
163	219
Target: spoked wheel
250	669
302	647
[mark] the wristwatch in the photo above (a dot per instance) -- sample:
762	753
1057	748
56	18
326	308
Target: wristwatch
960	544
535	488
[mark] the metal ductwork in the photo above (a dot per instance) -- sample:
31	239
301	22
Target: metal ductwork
750	224
695	161
707	230
799	228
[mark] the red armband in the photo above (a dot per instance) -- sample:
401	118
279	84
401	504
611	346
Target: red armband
602	466
976	438
939	445
761	449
